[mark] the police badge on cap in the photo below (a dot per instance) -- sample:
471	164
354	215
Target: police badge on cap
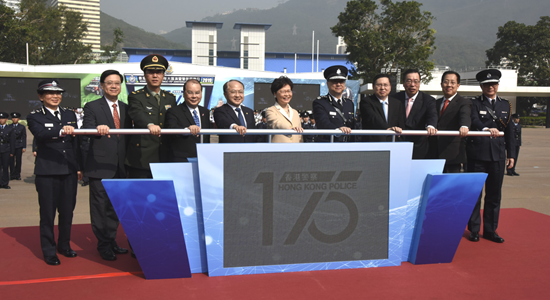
336	73
15	115
3	115
154	62
49	85
490	75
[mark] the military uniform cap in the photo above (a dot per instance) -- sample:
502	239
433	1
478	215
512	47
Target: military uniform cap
154	62
305	114
336	73
15	115
4	115
51	85
490	75
515	116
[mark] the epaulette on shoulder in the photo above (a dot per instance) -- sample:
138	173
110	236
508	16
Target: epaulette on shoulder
169	93
322	97
63	108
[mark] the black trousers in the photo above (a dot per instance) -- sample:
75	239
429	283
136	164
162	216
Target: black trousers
56	193
452	168
15	163
4	168
493	195
138	173
103	216
513	169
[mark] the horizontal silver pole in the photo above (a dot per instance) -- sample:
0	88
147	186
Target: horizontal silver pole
135	131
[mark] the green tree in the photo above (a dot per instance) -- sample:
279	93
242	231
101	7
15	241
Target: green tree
396	36
111	51
53	34
526	48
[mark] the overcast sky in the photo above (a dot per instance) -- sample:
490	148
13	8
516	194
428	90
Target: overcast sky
159	16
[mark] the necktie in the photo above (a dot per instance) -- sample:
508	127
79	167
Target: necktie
196	118
241	118
385	106
409	106
56	113
493	103
339	102
445	106
116	118
158	98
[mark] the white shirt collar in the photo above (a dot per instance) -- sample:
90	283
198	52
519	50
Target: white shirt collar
283	112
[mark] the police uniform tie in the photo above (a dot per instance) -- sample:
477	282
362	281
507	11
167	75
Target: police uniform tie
445	106
493	103
196	118
241	118
116	117
56	113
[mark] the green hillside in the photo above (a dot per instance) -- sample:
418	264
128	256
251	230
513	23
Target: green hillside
134	36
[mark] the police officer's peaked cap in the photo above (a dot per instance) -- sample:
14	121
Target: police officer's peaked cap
154	62
15	115
305	114
4	115
515	116
490	75
336	73
49	85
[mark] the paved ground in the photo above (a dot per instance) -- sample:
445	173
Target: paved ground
531	190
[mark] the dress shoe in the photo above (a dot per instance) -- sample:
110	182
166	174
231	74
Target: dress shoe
67	253
509	174
493	237
52	260
84	183
7	187
516	174
18	178
474	236
108	255
118	250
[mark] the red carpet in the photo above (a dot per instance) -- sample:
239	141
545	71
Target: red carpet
517	269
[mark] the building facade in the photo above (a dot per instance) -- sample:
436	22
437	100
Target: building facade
90	15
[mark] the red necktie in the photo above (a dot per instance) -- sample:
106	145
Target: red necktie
116	117
445	106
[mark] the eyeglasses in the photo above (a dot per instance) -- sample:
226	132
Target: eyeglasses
451	83
381	85
409	81
110	83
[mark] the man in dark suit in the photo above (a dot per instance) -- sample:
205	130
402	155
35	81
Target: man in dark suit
262	125
105	160
234	115
189	115
7	148
420	112
334	111
380	111
20	135
147	109
454	114
517	136
491	155
57	169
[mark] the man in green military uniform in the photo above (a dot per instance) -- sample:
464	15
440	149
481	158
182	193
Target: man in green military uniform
147	109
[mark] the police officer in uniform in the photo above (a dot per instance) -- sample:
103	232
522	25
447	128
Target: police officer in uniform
20	133
7	148
147	108
57	169
517	136
334	111
490	154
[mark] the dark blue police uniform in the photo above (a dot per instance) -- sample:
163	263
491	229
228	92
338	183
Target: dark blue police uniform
7	148
20	133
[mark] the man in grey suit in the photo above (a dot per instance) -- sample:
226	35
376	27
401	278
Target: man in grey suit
420	112
106	160
454	114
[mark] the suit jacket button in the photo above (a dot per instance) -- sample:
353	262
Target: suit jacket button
160	124
161	114
137	145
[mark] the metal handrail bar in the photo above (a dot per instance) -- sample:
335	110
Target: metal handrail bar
337	132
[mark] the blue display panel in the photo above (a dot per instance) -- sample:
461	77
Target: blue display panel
249	185
148	212
186	182
420	168
447	203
